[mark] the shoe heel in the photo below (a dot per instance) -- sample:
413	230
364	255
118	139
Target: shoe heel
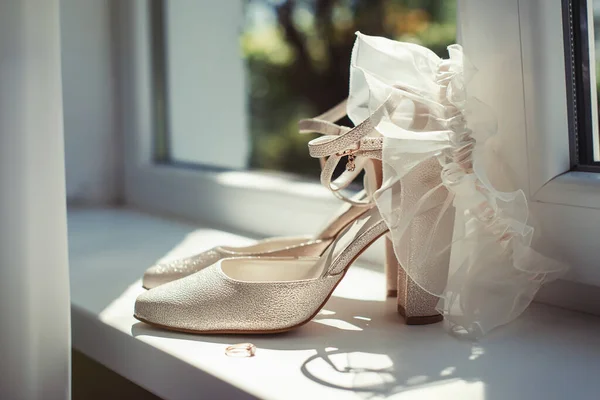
417	306
391	269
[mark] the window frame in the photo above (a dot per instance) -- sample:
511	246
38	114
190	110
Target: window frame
509	39
581	80
564	204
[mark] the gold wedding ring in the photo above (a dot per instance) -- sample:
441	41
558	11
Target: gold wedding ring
241	350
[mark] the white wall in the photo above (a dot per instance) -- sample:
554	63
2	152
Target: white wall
206	91
93	147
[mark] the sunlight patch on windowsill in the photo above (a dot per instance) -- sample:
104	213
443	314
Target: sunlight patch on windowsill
338	323
273	182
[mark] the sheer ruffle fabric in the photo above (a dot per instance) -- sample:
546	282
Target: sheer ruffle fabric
429	120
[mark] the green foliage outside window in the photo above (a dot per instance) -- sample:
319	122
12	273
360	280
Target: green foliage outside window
298	55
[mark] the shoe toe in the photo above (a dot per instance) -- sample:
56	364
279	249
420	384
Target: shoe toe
180	305
152	277
163	273
148	307
160	274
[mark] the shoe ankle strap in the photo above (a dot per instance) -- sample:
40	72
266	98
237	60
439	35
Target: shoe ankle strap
324	124
362	140
361	144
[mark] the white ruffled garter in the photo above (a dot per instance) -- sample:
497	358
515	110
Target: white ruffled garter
433	126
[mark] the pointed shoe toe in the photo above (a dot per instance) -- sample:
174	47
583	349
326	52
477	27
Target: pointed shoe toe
155	276
210	301
162	273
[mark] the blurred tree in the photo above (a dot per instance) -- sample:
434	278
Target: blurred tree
298	56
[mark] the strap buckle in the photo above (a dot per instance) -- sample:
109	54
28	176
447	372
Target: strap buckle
350	165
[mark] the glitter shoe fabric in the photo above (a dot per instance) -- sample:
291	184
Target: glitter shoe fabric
166	272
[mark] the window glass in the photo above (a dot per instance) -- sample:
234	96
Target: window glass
294	64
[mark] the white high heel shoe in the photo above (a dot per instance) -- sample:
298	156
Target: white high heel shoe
301	246
248	295
269	295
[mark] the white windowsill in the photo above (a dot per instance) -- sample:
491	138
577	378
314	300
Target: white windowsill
548	353
574	188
